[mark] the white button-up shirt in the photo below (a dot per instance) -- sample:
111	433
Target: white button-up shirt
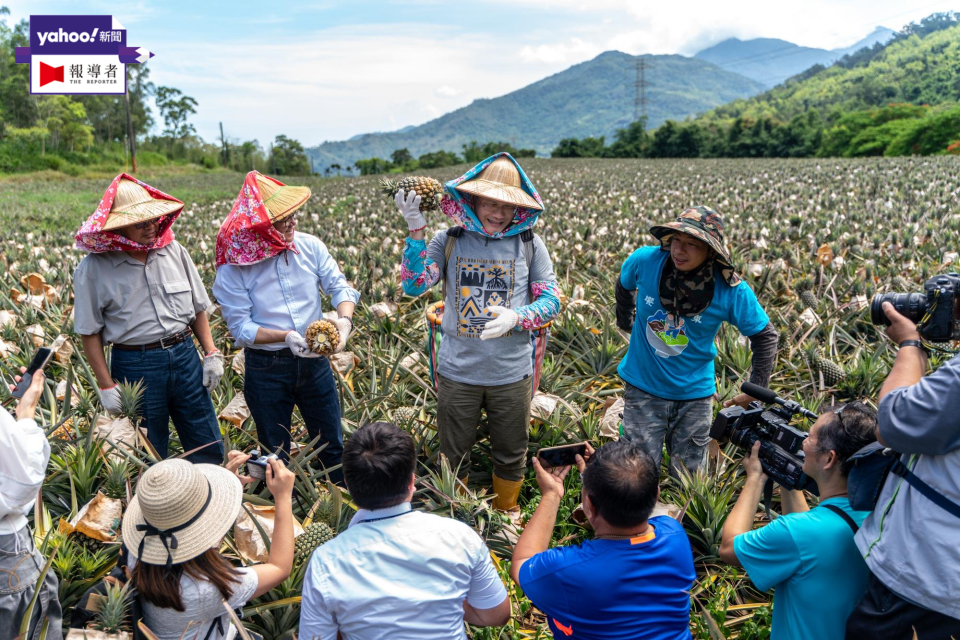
281	292
398	574
23	466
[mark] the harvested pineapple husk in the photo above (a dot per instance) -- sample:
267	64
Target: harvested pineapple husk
322	337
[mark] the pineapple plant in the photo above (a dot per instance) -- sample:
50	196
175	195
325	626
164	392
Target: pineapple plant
114	613
901	284
807	296
131	397
322	337
429	190
314	535
833	374
403	416
116	472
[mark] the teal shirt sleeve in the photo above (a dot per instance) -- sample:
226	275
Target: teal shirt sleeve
745	312
769	554
631	268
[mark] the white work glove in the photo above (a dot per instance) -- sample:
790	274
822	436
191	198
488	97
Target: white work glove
212	370
344	328
505	321
110	400
410	209
298	346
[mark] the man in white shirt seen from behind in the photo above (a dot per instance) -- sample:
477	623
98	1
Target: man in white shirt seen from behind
24	454
397	573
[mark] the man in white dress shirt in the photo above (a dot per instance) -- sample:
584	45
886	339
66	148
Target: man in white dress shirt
397	573
269	278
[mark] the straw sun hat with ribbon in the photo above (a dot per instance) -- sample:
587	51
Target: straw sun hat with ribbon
133	204
500	181
705	224
180	510
280	200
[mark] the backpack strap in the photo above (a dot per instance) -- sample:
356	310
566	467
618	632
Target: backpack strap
527	237
452	234
843	514
928	492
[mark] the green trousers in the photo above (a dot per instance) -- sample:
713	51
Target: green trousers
508	416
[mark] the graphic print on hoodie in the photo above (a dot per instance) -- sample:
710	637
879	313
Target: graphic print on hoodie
481	284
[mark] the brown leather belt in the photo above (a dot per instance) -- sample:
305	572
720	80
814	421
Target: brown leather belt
163	343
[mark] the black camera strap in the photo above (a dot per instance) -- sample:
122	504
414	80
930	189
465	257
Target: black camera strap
843	514
768	498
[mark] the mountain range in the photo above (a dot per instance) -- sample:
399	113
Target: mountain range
597	97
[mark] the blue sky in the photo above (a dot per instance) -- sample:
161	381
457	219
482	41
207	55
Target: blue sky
328	70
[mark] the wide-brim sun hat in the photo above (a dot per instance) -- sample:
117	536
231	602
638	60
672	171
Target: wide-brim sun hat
705	224
133	204
280	200
180	510
500	181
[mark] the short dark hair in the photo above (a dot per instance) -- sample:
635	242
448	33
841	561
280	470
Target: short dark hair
851	427
378	460
621	481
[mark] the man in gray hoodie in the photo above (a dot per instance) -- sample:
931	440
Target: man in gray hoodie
498	285
909	542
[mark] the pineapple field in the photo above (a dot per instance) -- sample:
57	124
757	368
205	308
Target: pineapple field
814	238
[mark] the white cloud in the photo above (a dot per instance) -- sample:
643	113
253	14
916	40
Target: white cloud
573	50
447	91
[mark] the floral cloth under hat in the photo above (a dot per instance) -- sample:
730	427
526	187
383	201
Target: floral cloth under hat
93	237
704	224
247	235
458	206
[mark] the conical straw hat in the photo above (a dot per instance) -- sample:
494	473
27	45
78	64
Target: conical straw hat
500	181
133	204
196	504
280	200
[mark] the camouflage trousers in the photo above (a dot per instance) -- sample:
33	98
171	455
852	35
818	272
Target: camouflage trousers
683	424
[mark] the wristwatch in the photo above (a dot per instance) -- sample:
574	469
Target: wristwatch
914	343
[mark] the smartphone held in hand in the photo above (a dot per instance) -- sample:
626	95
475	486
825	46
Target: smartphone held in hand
562	456
40	360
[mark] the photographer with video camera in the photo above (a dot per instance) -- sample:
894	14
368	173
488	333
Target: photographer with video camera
909	542
805	553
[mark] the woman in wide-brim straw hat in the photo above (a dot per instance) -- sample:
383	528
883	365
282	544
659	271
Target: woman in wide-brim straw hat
174	526
501	286
683	288
269	277
139	291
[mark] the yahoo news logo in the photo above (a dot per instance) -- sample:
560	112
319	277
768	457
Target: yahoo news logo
71	55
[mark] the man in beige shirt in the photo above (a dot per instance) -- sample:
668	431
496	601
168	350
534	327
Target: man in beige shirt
139	290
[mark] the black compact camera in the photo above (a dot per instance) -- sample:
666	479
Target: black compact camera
933	309
780	443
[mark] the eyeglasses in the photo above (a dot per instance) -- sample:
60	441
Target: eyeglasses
148	223
493	205
288	222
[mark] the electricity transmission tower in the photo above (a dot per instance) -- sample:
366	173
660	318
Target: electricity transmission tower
640	86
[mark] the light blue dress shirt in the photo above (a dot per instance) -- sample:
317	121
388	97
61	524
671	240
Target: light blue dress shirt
282	292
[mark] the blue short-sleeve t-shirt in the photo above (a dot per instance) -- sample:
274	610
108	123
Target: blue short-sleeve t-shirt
813	562
616	589
673	358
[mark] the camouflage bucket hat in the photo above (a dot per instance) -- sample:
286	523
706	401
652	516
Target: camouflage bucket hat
702	223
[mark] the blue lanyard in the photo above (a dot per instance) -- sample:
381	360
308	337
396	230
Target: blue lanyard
396	515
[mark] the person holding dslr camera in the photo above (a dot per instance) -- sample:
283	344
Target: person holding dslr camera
808	555
23	466
909	542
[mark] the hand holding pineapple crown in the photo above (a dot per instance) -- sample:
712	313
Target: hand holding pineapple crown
414	196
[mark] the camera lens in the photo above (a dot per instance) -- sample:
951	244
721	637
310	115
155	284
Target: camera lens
911	305
744	438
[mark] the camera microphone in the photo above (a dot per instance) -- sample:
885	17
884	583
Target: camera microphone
766	395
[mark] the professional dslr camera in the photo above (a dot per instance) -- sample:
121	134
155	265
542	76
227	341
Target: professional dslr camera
933	309
780	443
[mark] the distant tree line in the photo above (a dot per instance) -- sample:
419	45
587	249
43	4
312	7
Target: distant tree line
402	161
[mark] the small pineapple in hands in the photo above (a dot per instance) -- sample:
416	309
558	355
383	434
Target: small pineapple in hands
429	190
114	609
323	337
313	536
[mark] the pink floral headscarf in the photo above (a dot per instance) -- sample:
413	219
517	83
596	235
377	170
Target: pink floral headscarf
91	237
247	235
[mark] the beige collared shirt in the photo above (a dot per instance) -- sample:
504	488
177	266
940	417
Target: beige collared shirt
136	303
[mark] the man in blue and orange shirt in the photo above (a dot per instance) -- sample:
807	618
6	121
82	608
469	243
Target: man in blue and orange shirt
633	579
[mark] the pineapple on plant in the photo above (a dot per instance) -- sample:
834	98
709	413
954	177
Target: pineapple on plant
314	535
115	479
833	374
114	609
807	296
429	190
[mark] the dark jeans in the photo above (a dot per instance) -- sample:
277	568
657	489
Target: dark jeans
883	614
20	566
173	380
273	384
508	415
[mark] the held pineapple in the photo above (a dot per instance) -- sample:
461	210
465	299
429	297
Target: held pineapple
323	337
429	190
313	536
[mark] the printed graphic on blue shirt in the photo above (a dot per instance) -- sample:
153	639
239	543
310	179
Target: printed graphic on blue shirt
666	334
481	284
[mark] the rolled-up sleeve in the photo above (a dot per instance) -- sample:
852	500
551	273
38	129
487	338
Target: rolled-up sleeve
87	314
235	305
922	418
332	280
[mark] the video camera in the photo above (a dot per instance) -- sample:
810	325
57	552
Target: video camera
780	443
932	310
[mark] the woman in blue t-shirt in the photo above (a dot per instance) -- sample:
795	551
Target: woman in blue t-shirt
682	291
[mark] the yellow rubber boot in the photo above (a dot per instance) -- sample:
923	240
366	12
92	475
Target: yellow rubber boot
508	492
